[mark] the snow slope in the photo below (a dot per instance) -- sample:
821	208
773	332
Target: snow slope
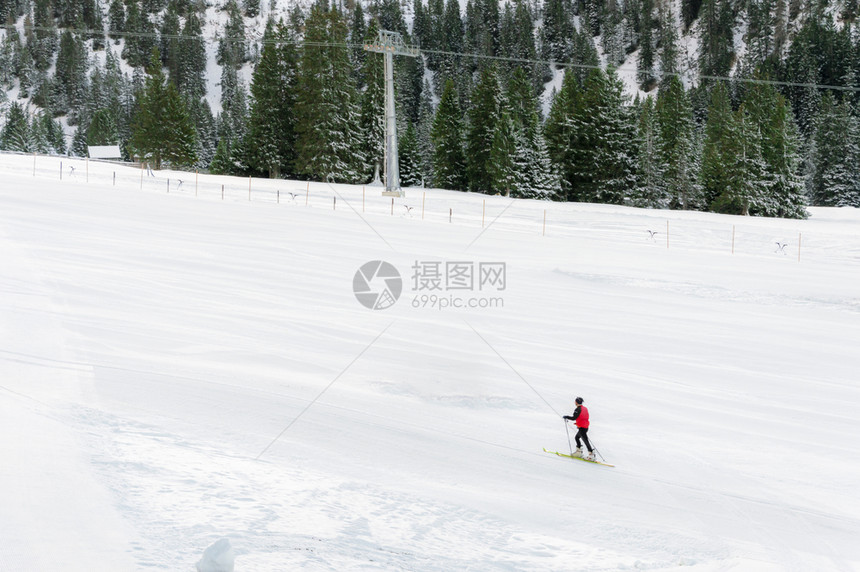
176	369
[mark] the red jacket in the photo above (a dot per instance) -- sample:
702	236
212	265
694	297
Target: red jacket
580	415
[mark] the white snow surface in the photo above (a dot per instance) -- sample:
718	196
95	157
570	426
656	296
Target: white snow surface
176	369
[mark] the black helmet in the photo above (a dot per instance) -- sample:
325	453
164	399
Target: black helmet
579	401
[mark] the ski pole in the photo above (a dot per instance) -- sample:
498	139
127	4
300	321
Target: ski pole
566	430
597	451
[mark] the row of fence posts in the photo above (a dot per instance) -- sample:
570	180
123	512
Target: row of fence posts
363	201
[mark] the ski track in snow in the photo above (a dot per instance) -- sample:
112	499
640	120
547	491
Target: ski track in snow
173	336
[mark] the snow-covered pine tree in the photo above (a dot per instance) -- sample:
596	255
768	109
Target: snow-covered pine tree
15	135
646	74
678	150
834	156
270	139
612	33
372	119
606	132
169	43
328	145
560	133
652	192
719	129
43	39
162	130
70	78
192	60
102	129
425	140
207	133
506	176
116	19
545	179
772	120
716	38
483	117
410	158
357	36
449	161
557	31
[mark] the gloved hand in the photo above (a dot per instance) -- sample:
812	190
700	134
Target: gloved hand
568	418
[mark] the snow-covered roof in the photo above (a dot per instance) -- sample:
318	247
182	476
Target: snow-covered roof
104	152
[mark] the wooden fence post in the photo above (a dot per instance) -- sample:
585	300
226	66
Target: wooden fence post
799	237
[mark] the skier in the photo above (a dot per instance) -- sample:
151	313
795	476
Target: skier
580	416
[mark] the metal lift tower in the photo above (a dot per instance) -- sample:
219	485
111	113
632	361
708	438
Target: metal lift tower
391	44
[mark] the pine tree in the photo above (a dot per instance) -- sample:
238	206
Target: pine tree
116	19
47	135
15	135
162	130
483	118
612	126
372	118
669	52
557	31
716	38
612	30
716	158
545	178
677	145
43	38
834	156
357	37
505	173
778	143
449	161
562	135
232	47
102	129
652	192
70	78
192	60
410	158
207	135
252	8
169	44
327	113
689	12
425	140
647	48
592	138
270	140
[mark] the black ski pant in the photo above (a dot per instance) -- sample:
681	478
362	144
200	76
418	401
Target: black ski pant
583	434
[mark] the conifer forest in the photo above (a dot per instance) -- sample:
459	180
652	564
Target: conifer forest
745	107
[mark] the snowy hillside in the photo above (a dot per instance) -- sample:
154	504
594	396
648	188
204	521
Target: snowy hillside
176	368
